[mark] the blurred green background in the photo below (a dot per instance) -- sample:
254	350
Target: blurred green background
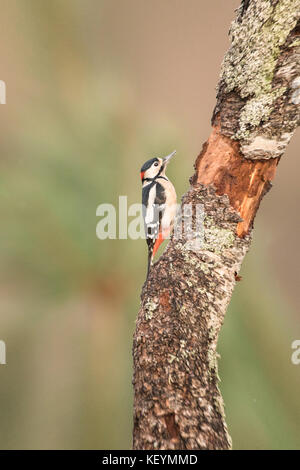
94	88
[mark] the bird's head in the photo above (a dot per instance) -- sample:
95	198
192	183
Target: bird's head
155	167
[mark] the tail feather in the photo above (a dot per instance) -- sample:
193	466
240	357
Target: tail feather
153	246
149	261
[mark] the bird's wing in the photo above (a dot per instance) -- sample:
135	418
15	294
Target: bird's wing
153	207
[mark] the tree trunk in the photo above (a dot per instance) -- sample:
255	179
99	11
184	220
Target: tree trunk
177	403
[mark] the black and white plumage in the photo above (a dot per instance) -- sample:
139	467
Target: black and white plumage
159	203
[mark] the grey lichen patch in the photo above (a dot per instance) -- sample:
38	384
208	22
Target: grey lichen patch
295	43
216	238
249	65
150	306
257	109
212	361
204	268
295	99
213	332
172	358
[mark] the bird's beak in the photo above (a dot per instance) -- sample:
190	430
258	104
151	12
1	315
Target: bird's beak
168	158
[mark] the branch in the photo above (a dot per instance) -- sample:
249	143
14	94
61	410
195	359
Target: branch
177	403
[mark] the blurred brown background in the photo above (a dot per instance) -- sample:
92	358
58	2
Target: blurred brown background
94	88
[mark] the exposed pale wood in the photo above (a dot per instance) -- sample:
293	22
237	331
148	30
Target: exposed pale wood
244	181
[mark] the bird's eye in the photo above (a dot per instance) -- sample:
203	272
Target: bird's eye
156	164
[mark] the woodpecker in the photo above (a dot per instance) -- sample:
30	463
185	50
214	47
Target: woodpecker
159	203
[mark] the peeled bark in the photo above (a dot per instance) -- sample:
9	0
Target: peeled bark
177	403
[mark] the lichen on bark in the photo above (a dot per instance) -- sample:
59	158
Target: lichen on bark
255	70
175	348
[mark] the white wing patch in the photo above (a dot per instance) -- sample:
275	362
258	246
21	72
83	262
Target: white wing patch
152	216
149	216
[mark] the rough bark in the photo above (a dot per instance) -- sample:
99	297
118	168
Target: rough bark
177	403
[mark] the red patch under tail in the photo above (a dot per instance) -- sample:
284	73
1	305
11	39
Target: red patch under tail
157	244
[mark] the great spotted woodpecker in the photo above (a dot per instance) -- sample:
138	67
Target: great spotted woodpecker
159	203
